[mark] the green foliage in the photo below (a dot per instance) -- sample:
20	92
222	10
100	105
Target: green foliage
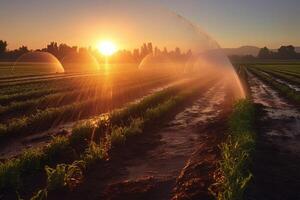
137	109
11	171
236	153
40	195
56	177
31	160
57	146
10	175
119	134
75	173
65	175
157	113
81	132
242	118
94	153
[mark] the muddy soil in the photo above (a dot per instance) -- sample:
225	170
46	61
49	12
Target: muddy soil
163	164
280	80
276	163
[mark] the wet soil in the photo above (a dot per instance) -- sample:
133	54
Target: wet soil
173	162
285	82
276	162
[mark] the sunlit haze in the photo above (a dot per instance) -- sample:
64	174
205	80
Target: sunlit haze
107	47
149	99
233	23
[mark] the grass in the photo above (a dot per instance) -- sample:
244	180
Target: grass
237	153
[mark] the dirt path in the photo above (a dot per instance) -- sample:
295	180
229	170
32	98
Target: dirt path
154	165
277	160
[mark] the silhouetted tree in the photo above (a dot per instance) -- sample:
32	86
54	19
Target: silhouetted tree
264	53
287	52
3	46
53	48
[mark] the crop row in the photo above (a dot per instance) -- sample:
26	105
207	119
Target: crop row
45	119
12	89
115	137
12	172
75	81
281	75
36	77
283	89
32	94
43	80
236	153
17	93
31	106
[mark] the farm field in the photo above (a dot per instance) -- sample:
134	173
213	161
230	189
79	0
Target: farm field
274	88
94	135
94	122
117	149
132	100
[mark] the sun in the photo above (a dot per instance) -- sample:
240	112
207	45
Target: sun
107	48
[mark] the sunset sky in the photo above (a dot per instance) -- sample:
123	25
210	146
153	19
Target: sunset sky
231	23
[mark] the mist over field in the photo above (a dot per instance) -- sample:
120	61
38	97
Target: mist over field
137	100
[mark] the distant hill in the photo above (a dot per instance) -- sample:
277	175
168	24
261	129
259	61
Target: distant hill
243	50
247	50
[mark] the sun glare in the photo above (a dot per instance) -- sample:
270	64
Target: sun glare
107	48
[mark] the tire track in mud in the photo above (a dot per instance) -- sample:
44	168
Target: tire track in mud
153	173
277	159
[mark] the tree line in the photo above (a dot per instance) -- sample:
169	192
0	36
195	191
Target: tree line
60	51
283	53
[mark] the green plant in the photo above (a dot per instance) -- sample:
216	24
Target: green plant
82	132
56	177
74	175
57	146
10	175
94	153
31	160
236	154
65	175
40	195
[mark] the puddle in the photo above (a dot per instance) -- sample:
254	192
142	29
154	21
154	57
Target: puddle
292	86
282	120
